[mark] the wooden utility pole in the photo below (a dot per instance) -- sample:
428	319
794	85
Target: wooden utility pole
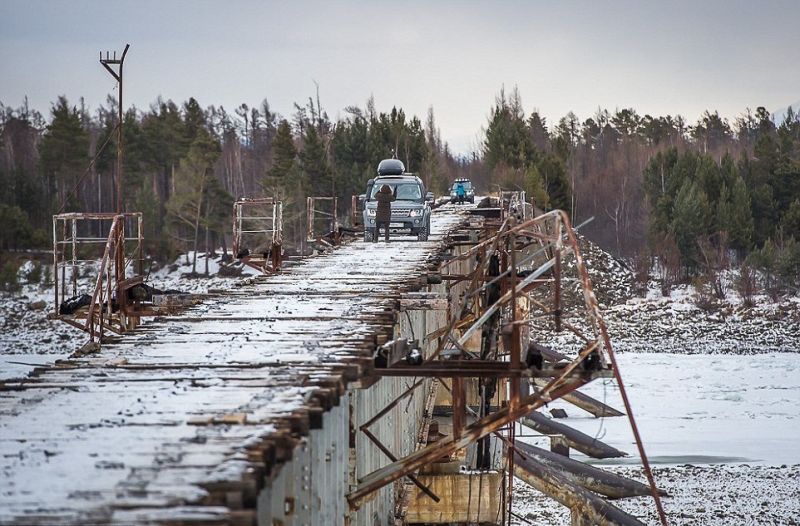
107	62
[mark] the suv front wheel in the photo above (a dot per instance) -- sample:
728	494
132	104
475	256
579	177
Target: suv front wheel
422	235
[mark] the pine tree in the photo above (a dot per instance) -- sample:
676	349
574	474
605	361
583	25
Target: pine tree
508	141
734	217
689	221
535	188
554	173
790	222
314	161
284	155
64	149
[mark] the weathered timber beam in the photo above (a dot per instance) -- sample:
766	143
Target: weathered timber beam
589	477
585	402
560	488
576	439
423	304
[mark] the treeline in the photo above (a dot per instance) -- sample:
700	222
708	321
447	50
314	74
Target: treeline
185	165
693	197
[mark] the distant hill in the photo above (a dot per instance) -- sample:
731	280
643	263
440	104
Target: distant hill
780	114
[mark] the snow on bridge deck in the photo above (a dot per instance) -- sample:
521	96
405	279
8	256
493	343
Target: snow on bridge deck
160	424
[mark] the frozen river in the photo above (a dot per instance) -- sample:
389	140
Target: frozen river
701	409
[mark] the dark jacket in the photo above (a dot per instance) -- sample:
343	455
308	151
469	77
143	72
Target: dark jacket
384	198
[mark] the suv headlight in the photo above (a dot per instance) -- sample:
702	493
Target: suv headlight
372	212
415	212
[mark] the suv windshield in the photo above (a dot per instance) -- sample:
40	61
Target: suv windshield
467	185
405	191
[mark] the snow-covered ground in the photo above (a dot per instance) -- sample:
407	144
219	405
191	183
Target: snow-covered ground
700	495
721	432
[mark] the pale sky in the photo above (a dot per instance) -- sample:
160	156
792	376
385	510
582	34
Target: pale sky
658	57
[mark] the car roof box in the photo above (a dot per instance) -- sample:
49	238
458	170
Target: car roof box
391	167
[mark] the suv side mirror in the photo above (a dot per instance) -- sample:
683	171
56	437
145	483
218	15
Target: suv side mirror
362	198
429	197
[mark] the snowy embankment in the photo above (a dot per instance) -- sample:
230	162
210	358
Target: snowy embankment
716	398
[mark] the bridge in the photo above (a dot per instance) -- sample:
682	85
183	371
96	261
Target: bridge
353	387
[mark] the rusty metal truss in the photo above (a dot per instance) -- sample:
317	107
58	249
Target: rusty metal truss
258	233
515	278
77	241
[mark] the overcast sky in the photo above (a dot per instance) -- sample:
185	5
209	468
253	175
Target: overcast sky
658	57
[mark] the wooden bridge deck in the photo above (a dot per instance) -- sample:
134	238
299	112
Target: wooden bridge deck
178	421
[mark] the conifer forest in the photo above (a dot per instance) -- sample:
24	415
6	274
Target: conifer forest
696	195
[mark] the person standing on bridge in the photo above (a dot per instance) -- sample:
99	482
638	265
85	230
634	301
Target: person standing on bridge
383	215
461	193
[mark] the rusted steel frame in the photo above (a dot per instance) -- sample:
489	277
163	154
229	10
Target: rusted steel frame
444	365
108	304
57	305
515	349
388	474
557	292
479	271
510	457
459	413
425	489
493	240
392	404
482	427
312	212
499	277
99	282
505	298
548	238
74	232
452	371
257	200
449	371
119	271
354	209
501	232
592	304
109	216
273	208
